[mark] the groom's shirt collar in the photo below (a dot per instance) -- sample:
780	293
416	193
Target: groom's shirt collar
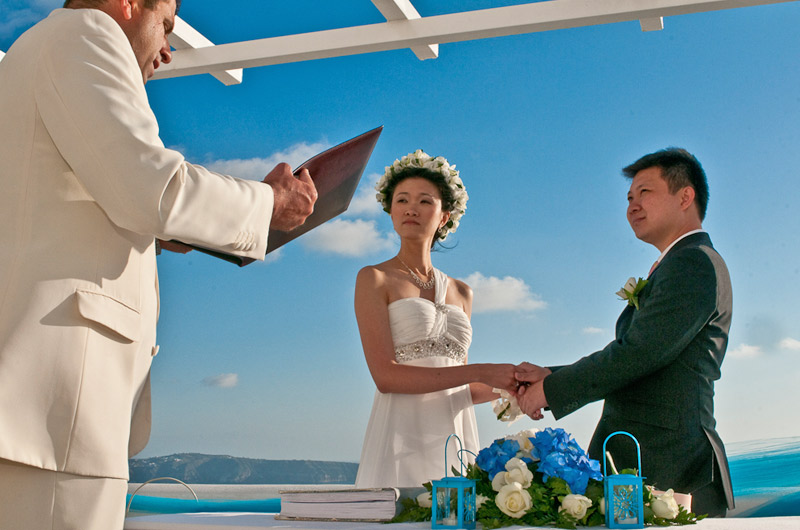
687	234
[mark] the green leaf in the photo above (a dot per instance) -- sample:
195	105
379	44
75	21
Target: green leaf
502	412
411	511
565	520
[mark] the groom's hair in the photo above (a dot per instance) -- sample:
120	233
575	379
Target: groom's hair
680	169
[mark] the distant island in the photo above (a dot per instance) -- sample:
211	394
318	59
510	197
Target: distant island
221	469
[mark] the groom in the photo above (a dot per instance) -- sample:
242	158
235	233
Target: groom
657	377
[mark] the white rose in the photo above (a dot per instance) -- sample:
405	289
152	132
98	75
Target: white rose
513	500
665	505
601	507
479	500
523	438
575	505
518	472
424	499
499	480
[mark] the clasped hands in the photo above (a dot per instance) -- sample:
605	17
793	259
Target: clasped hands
527	386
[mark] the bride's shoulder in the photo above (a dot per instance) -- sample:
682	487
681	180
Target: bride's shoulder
374	275
460	294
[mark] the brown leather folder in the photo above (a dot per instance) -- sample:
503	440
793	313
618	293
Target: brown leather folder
336	173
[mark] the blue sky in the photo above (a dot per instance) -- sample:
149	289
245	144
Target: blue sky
265	361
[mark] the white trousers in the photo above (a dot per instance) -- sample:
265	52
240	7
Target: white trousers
38	499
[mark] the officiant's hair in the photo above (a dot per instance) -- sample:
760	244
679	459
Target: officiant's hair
679	168
434	177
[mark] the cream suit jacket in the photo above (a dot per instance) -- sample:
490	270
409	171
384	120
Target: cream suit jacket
87	186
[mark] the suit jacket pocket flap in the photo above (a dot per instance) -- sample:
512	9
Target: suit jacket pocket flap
110	313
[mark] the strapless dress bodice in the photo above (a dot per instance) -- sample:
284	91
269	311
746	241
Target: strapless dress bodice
422	329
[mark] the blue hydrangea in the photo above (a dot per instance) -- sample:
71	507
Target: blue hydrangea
561	456
493	459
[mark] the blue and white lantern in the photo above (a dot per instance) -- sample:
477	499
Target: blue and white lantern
623	493
453	498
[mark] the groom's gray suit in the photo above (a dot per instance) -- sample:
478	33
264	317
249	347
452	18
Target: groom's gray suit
657	377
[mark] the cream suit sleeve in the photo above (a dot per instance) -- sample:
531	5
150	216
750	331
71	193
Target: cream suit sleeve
92	100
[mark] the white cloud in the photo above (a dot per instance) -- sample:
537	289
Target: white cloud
257	168
790	344
222	380
492	294
592	331
349	238
746	351
364	201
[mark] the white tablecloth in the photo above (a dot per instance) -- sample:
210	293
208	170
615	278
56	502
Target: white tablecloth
261	521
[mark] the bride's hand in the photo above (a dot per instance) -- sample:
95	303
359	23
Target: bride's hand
527	373
500	376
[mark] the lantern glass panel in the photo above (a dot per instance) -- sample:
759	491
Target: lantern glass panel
626	504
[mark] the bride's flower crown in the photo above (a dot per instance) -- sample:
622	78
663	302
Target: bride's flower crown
419	159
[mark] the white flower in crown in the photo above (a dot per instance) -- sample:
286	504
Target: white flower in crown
440	165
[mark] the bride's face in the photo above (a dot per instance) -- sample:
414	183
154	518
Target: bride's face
417	209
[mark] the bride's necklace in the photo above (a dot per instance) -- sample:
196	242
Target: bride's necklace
423	285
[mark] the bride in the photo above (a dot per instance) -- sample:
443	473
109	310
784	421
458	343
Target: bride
415	331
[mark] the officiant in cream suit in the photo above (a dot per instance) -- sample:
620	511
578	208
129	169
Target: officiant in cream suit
87	189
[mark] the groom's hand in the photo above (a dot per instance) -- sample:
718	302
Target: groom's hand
531	400
531	396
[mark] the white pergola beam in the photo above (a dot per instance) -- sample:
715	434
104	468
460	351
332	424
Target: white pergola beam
398	34
404	10
652	24
185	37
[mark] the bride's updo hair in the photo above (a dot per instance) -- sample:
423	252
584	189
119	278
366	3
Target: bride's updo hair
435	170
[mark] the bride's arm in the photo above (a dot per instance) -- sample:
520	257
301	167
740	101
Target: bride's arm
482	393
372	314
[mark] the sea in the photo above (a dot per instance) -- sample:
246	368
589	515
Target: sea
765	476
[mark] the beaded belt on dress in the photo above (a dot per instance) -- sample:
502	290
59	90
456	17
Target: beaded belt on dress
439	346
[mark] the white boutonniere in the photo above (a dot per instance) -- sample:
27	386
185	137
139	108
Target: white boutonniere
630	291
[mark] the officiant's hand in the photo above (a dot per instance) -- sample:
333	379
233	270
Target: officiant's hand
294	197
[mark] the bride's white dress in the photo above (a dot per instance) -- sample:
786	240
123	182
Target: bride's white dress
405	441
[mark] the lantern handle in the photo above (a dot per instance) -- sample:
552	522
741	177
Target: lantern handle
461	458
458	453
638	450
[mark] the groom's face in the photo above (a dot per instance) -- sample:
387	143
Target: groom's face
653	212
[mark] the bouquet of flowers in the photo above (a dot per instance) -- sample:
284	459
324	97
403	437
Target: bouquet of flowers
536	478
